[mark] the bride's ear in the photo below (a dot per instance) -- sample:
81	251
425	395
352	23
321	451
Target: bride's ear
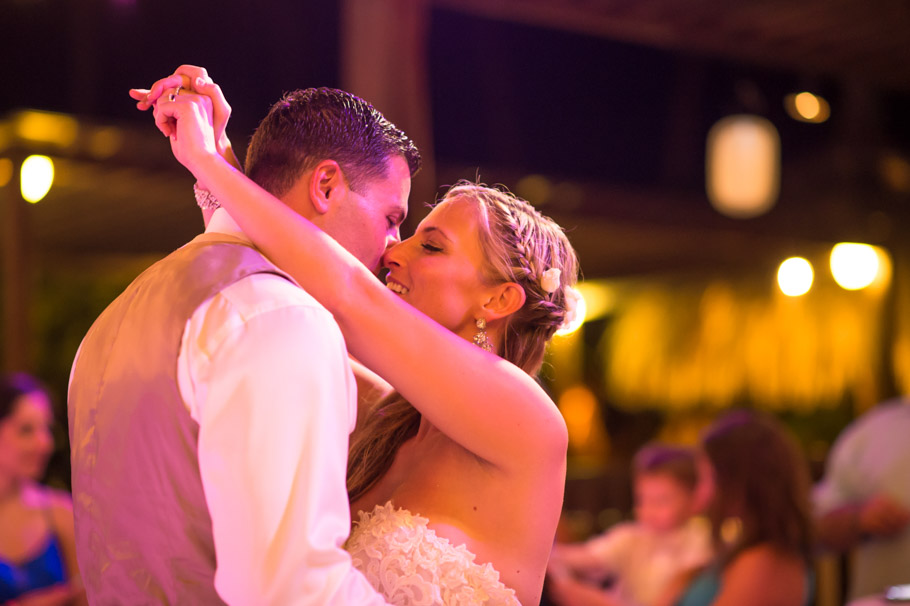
505	299
326	185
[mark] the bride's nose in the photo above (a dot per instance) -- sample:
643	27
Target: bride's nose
392	255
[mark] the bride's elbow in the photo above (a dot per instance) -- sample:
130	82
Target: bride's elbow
560	438
552	441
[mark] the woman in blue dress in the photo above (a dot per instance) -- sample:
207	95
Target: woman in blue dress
37	545
754	483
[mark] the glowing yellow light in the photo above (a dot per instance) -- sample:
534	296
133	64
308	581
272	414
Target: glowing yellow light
37	176
47	127
854	266
795	276
581	412
579	319
6	171
600	298
807	107
742	166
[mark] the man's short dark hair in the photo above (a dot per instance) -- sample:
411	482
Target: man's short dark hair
310	125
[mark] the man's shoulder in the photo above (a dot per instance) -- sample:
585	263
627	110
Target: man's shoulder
264	313
891	410
264	292
891	415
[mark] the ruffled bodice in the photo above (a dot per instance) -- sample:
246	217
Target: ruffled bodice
408	564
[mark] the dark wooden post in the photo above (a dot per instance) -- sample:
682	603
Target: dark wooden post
15	272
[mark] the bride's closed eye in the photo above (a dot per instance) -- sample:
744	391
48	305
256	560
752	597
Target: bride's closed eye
430	248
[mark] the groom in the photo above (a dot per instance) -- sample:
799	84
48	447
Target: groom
210	404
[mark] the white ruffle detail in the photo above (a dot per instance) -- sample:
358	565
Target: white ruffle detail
408	564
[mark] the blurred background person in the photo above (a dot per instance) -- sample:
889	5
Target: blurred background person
754	484
638	558
863	502
37	546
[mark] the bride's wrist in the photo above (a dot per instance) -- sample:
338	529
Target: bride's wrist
208	167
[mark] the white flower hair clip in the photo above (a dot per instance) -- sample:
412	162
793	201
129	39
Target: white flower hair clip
549	281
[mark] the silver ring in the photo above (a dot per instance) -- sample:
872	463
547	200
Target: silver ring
174	94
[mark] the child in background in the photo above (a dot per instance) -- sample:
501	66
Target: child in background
643	556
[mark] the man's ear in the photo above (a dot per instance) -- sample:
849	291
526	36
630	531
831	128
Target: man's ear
326	185
505	299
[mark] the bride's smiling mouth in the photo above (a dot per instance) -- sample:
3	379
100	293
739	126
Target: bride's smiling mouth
396	287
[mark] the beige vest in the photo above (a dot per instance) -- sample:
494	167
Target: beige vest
143	531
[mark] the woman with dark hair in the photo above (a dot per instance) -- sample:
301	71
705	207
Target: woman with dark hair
37	545
754	484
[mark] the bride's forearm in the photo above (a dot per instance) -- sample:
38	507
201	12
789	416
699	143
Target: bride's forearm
489	406
225	150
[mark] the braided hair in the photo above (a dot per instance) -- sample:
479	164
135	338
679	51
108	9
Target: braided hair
519	245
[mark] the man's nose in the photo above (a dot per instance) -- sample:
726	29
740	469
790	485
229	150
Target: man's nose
391	241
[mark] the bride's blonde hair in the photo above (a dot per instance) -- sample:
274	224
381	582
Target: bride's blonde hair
519	245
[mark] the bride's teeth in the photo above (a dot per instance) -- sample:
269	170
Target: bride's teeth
401	290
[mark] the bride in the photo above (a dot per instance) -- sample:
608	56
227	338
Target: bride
458	476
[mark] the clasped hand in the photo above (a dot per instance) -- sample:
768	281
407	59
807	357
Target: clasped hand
189	109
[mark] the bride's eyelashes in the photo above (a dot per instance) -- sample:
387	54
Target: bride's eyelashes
430	248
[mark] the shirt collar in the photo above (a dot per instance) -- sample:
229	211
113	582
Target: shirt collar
222	223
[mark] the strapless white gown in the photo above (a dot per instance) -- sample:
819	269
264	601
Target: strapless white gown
410	566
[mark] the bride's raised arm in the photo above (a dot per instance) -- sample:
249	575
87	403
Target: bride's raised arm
488	405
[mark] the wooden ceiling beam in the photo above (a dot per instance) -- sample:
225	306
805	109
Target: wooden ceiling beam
840	38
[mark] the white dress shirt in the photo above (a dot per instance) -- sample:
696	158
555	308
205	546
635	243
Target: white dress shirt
645	562
264	370
872	457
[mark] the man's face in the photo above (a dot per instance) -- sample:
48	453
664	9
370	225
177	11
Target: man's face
367	223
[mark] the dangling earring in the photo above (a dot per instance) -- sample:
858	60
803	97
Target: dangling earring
480	339
731	530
